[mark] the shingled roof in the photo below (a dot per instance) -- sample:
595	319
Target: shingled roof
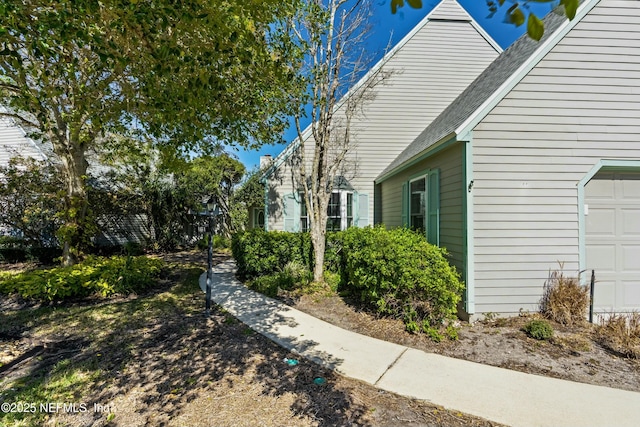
476	94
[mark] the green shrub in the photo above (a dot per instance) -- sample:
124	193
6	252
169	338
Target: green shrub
258	252
202	244
398	273
221	242
293	276
452	333
539	329
395	272
95	275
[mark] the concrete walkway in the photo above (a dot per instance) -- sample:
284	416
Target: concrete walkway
508	397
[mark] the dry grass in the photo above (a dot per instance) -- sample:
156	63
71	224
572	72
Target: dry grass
621	333
564	300
155	360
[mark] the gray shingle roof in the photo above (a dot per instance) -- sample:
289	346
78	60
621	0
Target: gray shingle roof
476	93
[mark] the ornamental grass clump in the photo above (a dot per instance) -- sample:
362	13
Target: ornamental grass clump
564	299
620	333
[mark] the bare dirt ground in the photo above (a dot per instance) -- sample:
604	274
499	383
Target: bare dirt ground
156	360
573	354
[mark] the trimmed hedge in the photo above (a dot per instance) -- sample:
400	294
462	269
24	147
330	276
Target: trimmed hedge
395	272
95	275
259	253
398	273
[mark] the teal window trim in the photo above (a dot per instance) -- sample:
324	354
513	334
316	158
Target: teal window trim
433	207
424	212
431	214
603	165
404	200
266	206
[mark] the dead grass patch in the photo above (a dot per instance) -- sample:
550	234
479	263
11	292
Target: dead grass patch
621	333
564	300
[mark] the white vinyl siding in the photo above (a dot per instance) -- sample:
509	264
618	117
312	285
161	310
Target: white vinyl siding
13	142
428	73
580	104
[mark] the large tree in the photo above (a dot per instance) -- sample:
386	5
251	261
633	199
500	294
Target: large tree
332	33
185	74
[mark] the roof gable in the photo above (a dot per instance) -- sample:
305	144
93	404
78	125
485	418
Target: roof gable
449	10
446	10
475	102
15	142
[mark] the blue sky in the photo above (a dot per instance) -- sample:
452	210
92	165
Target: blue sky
395	27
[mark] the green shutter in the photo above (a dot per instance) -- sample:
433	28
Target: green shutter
361	208
433	207
291	208
405	204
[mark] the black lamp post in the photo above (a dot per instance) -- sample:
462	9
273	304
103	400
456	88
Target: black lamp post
211	211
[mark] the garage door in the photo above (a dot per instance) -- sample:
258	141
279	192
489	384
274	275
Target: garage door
613	239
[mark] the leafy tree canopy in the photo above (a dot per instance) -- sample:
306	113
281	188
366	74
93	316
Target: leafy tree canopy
184	74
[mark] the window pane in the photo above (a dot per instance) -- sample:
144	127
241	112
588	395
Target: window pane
417	204
349	205
261	219
333	224
334	205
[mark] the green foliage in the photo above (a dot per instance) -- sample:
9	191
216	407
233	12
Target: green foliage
432	332
169	196
293	276
258	253
398	273
538	329
30	200
183	75
395	272
212	176
451	332
95	275
221	242
249	194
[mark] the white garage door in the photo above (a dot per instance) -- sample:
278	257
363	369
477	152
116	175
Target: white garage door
613	240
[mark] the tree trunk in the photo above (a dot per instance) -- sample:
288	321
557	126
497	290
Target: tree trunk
319	230
72	234
318	242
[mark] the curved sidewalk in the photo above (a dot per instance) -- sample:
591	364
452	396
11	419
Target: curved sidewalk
501	395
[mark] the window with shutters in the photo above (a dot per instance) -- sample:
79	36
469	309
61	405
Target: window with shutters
421	204
346	209
340	212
